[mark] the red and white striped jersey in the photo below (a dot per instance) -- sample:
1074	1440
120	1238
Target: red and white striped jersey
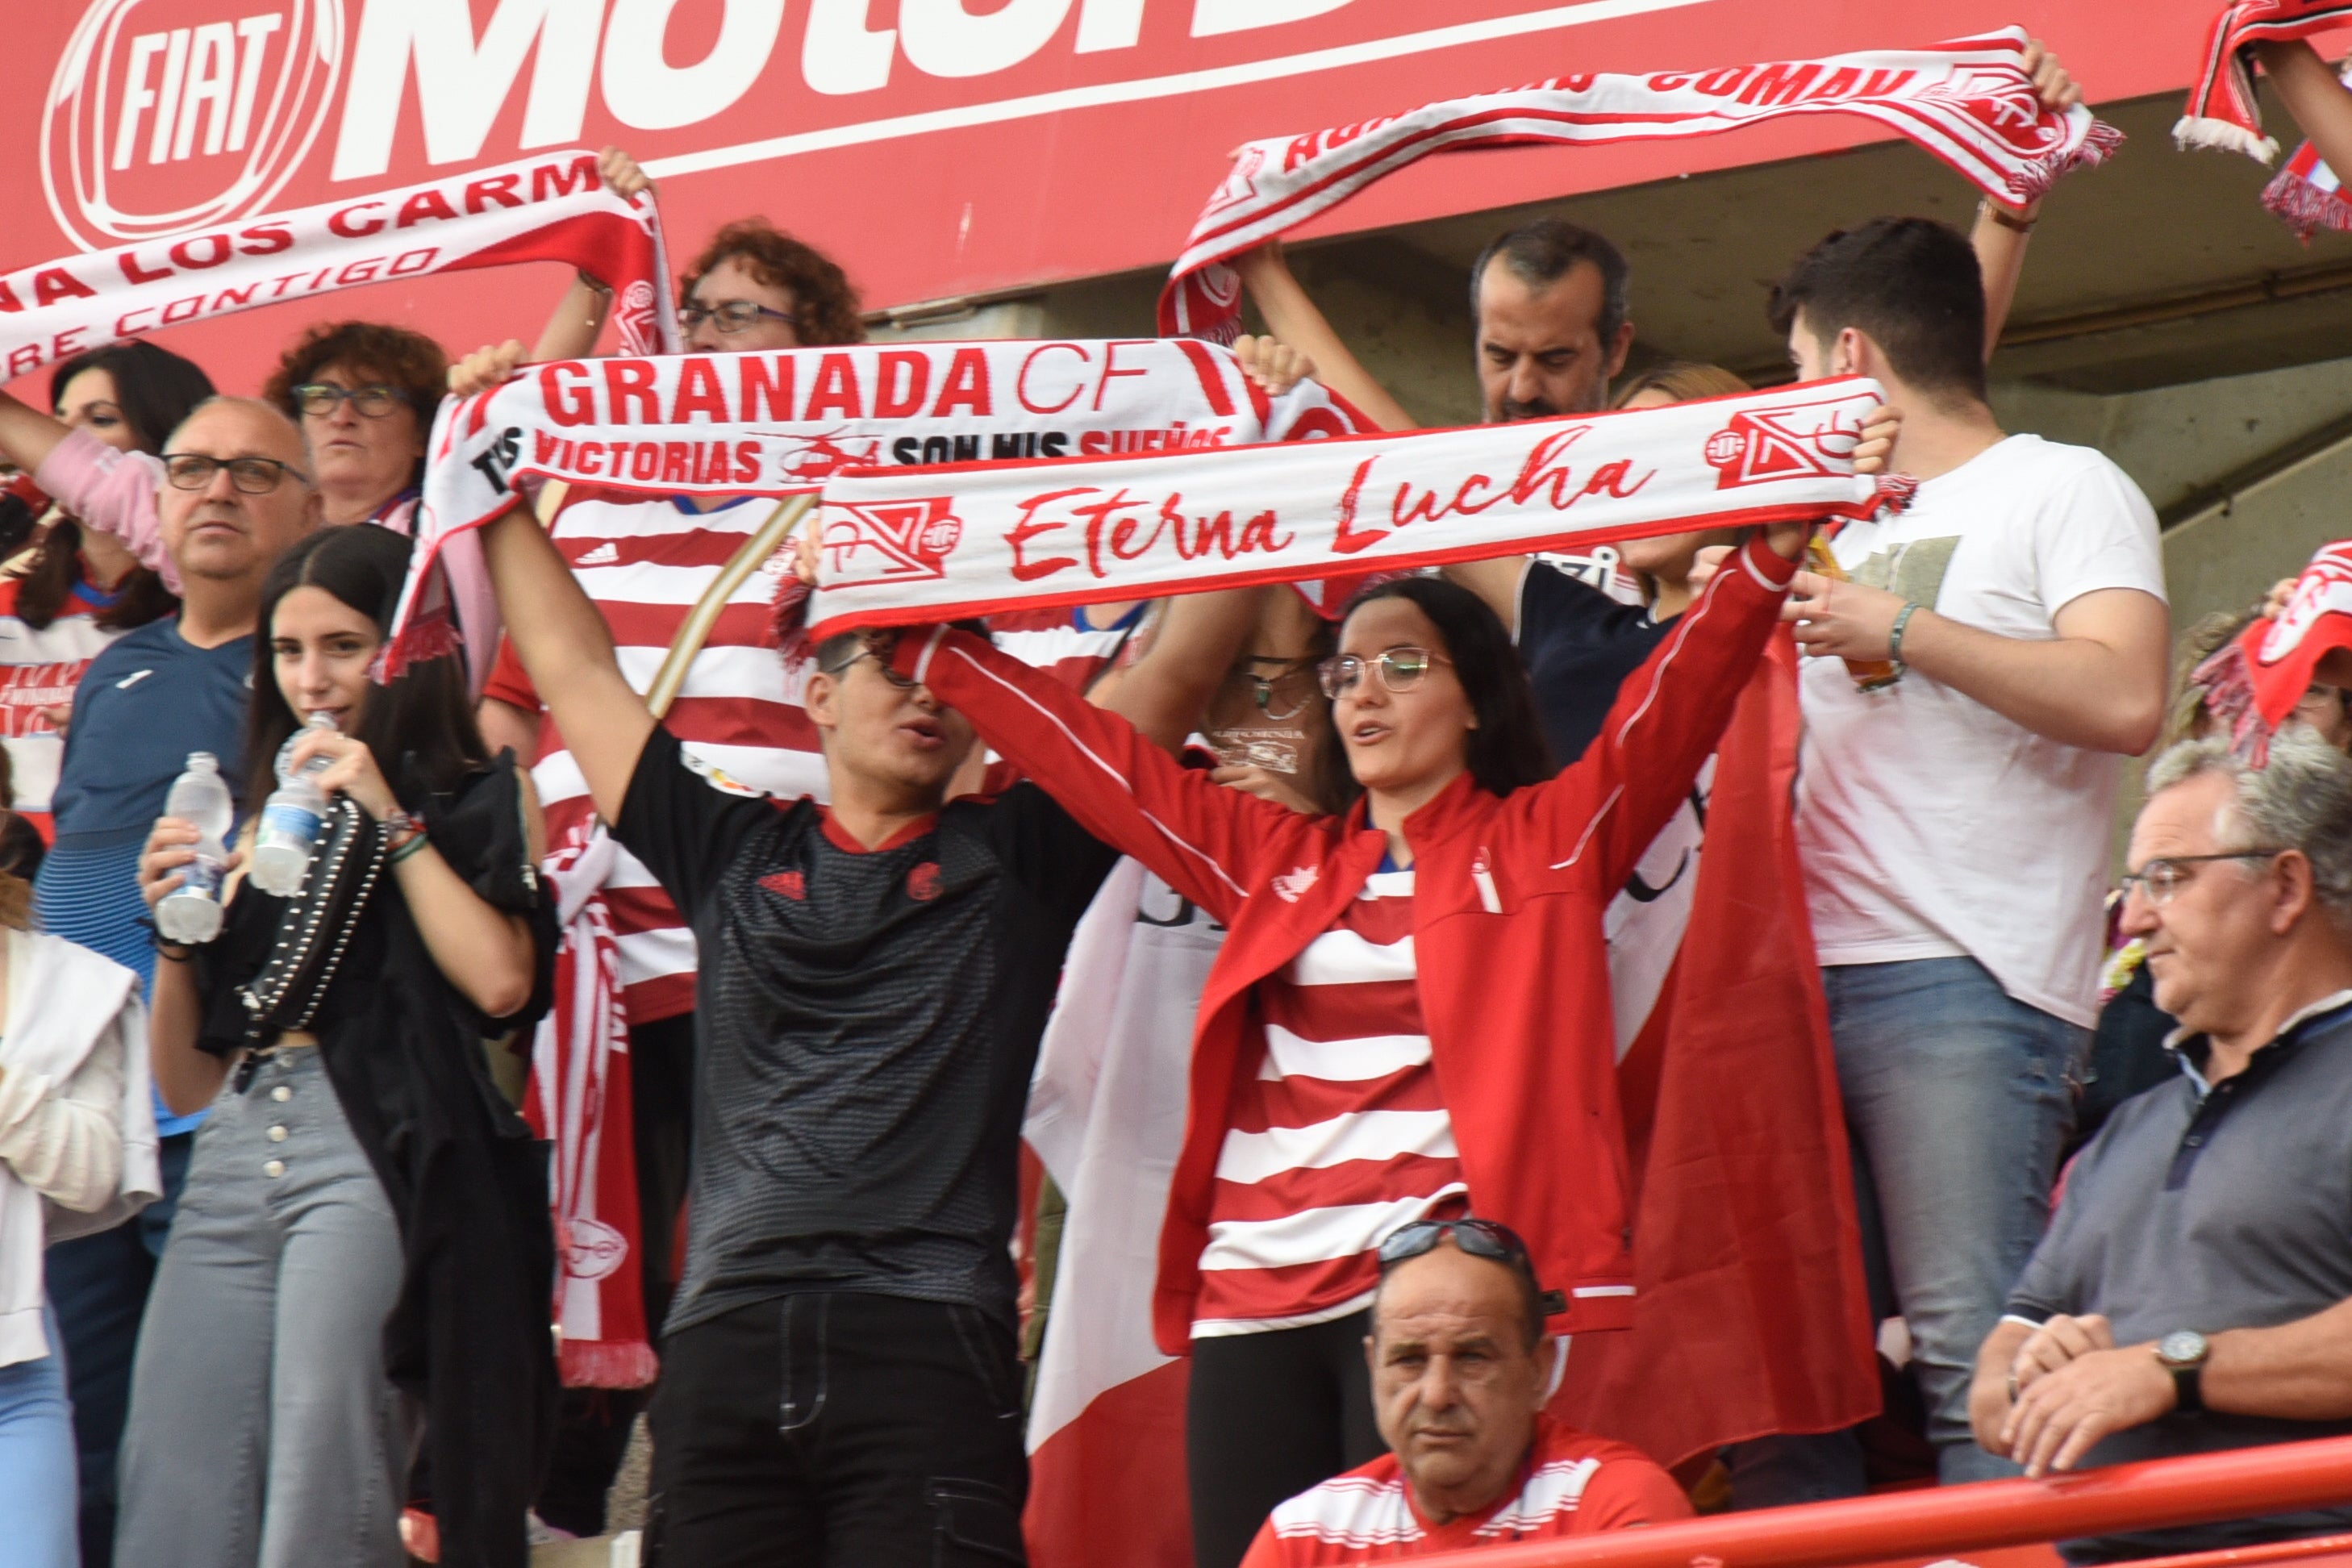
1339	1139
1062	641
645	564
39	669
1570	1484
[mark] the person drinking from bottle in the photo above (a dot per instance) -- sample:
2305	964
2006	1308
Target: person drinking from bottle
1413	1001
365	1222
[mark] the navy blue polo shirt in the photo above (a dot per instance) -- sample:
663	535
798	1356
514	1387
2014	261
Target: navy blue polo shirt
146	702
2212	1206
1579	644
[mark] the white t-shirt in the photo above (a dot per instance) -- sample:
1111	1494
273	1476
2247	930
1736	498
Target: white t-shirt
1931	827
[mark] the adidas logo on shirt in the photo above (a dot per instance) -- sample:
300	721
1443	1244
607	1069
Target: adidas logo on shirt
606	554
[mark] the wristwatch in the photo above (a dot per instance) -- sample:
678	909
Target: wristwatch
2182	1353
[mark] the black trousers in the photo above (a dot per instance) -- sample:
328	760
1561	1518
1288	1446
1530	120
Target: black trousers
841	1430
1269	1416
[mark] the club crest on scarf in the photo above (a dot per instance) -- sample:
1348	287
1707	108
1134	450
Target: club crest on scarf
1763	444
889	541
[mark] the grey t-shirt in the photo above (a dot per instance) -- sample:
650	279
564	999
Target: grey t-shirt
2227	1209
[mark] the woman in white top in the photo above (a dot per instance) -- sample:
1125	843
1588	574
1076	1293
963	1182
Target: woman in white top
77	1155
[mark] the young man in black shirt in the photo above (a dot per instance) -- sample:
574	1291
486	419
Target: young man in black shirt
839	1379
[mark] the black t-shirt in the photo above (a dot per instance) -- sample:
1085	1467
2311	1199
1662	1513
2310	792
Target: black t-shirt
865	1026
1578	645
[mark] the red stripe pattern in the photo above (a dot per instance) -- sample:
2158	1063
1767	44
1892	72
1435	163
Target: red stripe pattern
1339	1138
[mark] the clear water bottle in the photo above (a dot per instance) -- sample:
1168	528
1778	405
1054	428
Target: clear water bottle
288	833
192	912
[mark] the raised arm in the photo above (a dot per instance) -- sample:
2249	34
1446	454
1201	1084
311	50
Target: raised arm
567	650
28	436
101	486
1295	317
571	333
1207	842
1169	689
2320	104
1669	714
2002	229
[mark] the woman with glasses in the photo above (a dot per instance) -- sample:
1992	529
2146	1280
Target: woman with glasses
365	1222
1412	1013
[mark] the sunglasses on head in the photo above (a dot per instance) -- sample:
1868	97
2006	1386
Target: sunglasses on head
1479	1238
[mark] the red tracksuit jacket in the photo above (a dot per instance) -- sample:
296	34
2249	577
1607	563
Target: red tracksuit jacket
1508	900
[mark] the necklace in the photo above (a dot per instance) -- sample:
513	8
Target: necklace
1263	684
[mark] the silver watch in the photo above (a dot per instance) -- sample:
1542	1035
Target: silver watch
2182	1353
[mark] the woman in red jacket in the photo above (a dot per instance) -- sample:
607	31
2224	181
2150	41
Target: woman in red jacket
1412	1013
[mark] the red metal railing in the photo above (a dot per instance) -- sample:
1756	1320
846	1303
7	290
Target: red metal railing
1916	1524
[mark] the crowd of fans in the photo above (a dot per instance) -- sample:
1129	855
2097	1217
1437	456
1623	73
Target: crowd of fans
295	1309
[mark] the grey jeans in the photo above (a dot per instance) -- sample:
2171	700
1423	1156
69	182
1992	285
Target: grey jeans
263	1433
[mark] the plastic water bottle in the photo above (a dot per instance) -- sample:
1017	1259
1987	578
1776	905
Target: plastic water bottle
192	912
288	834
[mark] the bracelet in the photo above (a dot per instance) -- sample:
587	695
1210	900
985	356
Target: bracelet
2007	219
173	951
1895	633
406	848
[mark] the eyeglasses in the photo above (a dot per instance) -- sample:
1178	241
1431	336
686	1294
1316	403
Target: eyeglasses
318	399
1478	1237
252	476
1400	670
734	316
880	662
2161	878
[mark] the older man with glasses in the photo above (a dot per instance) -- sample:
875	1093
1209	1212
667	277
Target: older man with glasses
1460	1370
2194	1292
232	491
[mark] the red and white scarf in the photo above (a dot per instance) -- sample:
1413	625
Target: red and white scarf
2306	195
908	549
579	1101
552	207
2252	684
1969	102
2223	110
783	423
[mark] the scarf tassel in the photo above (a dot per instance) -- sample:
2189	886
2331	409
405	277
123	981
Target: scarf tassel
2032	182
2192	132
2305	207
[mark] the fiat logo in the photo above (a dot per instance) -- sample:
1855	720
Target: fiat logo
171	115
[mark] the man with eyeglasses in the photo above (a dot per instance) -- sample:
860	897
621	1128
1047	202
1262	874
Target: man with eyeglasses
233	492
1460	1370
2194	1291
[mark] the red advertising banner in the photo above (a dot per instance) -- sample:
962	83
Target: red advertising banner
939	148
